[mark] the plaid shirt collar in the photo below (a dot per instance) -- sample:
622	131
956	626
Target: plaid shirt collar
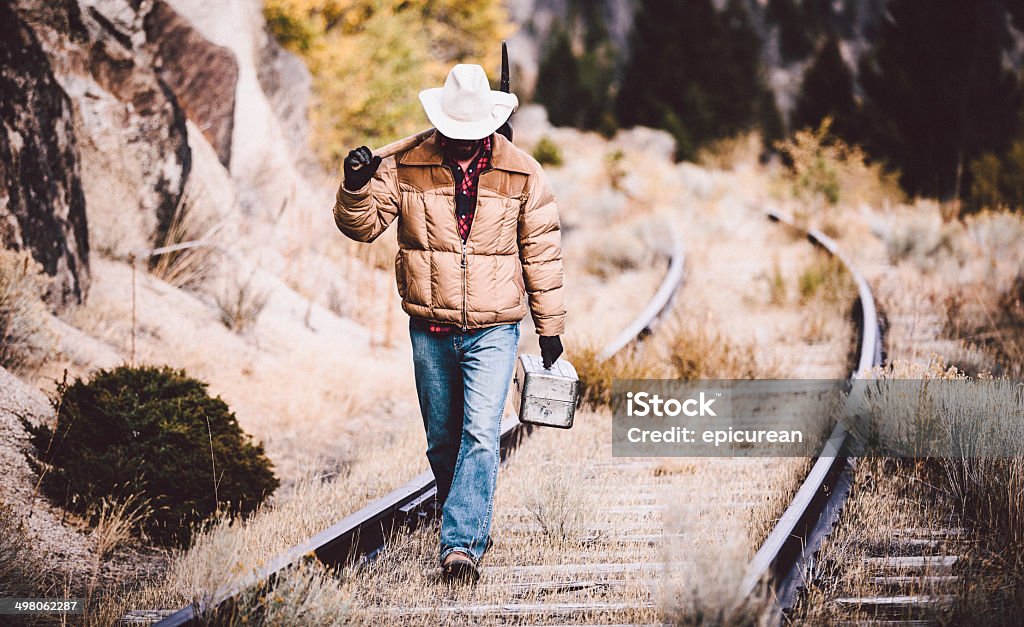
482	160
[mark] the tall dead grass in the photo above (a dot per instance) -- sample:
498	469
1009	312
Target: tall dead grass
687	346
713	594
189	266
825	173
26	337
966	438
21	574
563	501
306	594
985	315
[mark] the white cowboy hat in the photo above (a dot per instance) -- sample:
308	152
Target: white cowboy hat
466	108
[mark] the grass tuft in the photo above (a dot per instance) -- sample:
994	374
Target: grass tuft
241	303
26	339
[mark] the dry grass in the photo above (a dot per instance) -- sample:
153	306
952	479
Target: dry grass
888	496
696	348
562	501
20	573
630	247
189	267
728	153
827	173
596	375
241	302
26	338
992	317
307	594
715	596
931	411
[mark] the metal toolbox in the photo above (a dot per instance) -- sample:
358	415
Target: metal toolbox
546	397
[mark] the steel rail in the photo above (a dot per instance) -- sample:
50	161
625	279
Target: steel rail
814	510
363	534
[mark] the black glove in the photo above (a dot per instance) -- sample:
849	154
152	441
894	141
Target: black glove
550	349
359	165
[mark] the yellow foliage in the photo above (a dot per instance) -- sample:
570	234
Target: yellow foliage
370	59
826	170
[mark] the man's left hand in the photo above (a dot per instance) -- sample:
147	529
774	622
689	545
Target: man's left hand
550	349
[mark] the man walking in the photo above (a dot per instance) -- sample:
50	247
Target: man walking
478	238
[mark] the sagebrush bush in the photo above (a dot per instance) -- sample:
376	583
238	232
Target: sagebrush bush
241	303
825	171
547	152
26	338
155	433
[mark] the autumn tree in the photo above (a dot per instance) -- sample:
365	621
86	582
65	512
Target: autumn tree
370	58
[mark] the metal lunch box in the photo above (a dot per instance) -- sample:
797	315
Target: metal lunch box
546	397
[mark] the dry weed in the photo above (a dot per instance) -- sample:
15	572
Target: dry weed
241	302
21	574
26	338
697	349
826	172
563	501
712	595
307	594
190	266
596	374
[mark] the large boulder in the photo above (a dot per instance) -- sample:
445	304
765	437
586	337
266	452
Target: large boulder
131	132
270	104
202	75
42	204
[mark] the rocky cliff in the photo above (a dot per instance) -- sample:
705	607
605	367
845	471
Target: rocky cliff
42	204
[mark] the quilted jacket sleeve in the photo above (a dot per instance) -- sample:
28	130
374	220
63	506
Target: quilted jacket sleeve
365	213
540	250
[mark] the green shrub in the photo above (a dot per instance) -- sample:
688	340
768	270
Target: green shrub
547	152
155	433
998	182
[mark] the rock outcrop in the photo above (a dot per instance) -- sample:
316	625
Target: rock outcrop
265	157
42	204
202	75
130	130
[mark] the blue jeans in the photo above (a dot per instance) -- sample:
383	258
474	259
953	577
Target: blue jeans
462	379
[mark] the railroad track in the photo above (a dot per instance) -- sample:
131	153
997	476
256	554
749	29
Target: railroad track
790	547
362	535
635	551
611	577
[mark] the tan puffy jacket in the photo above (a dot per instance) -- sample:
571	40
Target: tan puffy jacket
513	252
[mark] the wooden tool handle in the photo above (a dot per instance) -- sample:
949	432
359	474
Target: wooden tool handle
398	146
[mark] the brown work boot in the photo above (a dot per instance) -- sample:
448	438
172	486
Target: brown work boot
458	567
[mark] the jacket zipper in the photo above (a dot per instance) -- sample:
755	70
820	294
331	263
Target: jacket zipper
465	321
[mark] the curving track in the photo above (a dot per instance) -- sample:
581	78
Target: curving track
796	538
613	576
361	535
642	526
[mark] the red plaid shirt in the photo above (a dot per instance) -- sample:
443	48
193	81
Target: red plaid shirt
466	184
465	207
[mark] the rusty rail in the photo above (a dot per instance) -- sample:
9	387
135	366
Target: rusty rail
363	534
791	545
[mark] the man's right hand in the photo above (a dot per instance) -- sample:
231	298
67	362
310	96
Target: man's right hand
359	166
